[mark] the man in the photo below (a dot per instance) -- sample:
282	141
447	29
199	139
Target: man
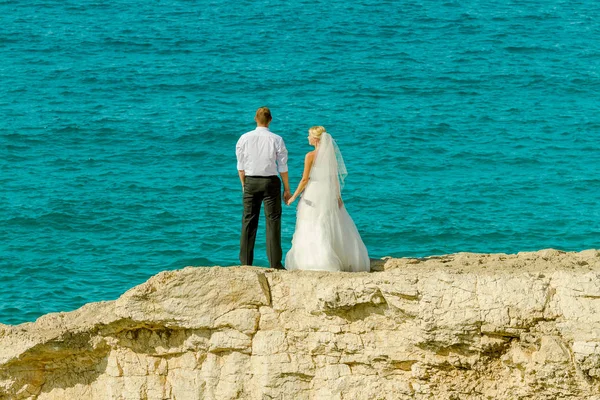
261	155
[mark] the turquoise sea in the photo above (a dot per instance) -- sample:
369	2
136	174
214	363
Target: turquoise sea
465	126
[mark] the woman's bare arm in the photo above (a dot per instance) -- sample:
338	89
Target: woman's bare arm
340	201
308	162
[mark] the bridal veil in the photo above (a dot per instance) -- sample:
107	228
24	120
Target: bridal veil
326	238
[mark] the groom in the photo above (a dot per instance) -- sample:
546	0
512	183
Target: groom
261	154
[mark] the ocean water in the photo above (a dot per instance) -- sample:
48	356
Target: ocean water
465	126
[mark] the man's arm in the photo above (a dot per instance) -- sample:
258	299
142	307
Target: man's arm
282	159
239	153
286	186
242	175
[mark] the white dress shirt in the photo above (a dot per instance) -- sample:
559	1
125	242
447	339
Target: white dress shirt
261	153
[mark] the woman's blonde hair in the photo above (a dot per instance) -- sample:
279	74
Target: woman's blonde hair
316	131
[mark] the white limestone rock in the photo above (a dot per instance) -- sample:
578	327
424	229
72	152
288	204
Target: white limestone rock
461	326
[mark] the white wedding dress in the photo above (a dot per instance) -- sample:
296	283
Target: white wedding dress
326	238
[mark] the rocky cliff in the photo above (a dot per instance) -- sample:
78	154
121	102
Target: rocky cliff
462	326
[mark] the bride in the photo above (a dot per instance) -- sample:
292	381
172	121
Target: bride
326	238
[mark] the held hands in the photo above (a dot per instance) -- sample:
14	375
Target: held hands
286	197
291	200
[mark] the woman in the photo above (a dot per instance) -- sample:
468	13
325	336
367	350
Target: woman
326	238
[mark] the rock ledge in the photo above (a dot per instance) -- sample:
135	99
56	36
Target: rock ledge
461	326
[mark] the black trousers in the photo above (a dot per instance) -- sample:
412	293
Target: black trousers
258	189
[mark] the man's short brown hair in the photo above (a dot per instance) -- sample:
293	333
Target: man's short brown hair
263	115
